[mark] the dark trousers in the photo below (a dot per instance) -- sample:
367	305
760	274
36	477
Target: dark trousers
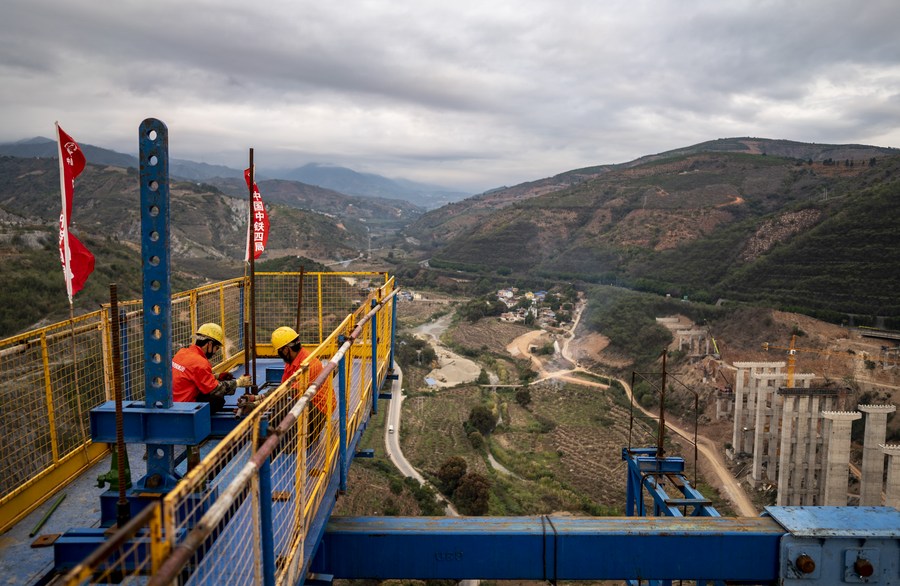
216	404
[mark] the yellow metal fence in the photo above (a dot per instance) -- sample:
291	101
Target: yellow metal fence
51	377
210	528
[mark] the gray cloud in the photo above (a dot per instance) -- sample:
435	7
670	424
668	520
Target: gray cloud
468	94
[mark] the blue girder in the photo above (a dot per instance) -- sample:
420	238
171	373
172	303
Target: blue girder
550	548
758	550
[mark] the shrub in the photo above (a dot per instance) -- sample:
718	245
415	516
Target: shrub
477	440
523	396
481	418
450	473
472	494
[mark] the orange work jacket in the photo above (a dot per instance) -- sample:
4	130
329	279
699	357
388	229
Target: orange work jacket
191	375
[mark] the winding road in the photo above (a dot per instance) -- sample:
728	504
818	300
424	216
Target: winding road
392	440
705	446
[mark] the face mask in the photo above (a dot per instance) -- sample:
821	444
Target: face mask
209	354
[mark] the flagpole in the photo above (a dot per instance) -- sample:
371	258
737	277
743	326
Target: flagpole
64	218
251	254
66	266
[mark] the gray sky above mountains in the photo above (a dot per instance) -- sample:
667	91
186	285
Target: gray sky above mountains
467	94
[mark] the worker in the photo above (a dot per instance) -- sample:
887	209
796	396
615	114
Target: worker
193	380
192	376
286	343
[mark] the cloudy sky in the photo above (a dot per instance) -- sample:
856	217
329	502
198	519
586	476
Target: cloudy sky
471	94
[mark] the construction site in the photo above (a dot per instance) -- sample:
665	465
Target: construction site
791	430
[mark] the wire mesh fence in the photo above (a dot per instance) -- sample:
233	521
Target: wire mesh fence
314	309
231	554
49	380
253	492
52	377
128	557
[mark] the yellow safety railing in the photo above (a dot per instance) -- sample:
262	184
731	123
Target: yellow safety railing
51	377
210	528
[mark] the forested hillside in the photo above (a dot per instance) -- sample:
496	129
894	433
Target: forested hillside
802	234
208	235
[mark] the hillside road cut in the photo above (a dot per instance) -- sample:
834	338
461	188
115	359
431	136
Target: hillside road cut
723	480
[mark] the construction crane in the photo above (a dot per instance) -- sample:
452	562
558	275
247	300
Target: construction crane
792	356
716	353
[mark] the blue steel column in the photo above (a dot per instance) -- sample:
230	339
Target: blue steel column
157	289
342	414
266	524
375	386
629	493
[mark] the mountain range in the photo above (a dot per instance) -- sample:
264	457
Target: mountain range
800	226
208	231
335	178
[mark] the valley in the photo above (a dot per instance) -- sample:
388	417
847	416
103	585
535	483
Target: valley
748	240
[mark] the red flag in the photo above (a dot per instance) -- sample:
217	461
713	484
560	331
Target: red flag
77	261
258	227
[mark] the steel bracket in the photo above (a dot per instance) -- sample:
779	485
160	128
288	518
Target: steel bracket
182	423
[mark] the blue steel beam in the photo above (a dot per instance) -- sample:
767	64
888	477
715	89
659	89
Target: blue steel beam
153	141
182	423
551	548
647	472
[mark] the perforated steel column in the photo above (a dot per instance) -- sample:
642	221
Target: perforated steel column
157	291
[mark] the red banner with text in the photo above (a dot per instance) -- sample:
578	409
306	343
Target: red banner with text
258	227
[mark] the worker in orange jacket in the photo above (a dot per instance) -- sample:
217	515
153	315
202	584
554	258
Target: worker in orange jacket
192	377
286	343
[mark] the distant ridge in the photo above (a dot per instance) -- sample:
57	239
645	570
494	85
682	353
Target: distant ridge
775	147
340	179
45	148
353	182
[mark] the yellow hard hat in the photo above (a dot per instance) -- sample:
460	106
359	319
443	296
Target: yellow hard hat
213	332
282	337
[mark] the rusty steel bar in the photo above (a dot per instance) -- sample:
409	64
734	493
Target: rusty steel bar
123	509
300	297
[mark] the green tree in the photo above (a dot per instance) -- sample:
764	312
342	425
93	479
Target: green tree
413	351
476	439
451	472
472	494
523	397
483	378
481	418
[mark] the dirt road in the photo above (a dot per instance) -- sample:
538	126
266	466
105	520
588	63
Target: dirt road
706	448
